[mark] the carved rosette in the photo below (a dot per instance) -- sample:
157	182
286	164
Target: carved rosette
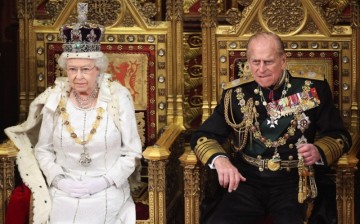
233	16
286	19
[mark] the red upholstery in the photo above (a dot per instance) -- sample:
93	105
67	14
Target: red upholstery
17	211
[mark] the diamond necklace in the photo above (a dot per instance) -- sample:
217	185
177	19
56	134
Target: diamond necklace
85	103
273	108
85	158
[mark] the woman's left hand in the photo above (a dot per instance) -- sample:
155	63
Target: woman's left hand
97	184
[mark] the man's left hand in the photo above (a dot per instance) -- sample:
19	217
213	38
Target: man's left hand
309	152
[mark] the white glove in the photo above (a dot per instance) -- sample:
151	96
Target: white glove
97	184
74	188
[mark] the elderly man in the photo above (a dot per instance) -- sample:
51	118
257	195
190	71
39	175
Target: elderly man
270	121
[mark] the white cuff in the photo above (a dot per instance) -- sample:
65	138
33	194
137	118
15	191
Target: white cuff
211	165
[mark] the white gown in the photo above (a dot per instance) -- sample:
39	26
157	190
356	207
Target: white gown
112	151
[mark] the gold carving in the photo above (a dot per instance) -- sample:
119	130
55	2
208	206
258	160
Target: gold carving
233	16
286	19
128	20
188	4
310	27
331	10
105	12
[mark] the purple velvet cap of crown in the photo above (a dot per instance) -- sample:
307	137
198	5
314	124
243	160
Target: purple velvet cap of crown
80	38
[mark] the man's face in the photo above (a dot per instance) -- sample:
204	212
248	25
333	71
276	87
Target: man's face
266	64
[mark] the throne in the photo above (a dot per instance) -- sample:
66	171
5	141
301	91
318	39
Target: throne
140	52
316	44
182	74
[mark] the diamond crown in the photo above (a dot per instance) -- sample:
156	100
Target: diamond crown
82	36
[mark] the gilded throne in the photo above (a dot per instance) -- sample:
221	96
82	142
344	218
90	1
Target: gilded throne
176	89
319	42
140	51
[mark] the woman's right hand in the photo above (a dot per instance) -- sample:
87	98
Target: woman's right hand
74	188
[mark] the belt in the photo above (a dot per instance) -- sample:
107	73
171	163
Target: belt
270	164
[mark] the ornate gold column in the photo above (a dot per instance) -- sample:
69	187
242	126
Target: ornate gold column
175	14
189	162
355	116
157	157
345	172
27	85
7	180
208	25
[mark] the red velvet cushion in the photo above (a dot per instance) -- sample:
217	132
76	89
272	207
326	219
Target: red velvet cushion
17	211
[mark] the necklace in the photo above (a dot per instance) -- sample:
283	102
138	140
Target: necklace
273	107
85	158
85	103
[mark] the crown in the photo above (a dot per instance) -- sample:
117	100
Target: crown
82	37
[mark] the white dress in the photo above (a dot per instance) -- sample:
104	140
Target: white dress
113	151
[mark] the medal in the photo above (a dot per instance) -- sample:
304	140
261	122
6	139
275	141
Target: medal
273	164
85	159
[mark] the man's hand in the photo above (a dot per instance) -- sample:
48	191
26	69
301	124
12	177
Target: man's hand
229	176
309	152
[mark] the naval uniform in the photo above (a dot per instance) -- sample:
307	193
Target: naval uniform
262	126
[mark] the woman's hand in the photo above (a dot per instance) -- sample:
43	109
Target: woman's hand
74	188
97	184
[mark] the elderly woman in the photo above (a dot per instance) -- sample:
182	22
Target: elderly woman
88	142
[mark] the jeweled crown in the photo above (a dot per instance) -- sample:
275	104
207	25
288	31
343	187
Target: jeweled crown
83	36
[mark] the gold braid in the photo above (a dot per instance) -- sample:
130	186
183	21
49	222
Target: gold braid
244	126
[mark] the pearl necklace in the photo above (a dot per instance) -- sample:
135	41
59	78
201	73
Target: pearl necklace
85	103
85	158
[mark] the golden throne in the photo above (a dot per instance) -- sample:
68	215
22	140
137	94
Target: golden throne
321	38
141	52
186	63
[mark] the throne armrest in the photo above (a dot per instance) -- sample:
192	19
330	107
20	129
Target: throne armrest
157	157
345	168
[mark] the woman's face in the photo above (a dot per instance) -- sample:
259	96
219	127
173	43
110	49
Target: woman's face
266	64
82	74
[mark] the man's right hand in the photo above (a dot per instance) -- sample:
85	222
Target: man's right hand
229	176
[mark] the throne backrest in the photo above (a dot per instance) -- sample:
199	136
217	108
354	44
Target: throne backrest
317	51
139	53
135	46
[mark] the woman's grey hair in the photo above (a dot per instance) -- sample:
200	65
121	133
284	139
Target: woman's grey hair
101	63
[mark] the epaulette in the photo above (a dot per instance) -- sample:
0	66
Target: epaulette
238	82
308	75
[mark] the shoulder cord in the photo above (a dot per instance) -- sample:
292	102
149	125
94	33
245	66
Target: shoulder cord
249	114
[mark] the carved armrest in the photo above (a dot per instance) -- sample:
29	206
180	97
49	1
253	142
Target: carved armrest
345	168
8	153
157	157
